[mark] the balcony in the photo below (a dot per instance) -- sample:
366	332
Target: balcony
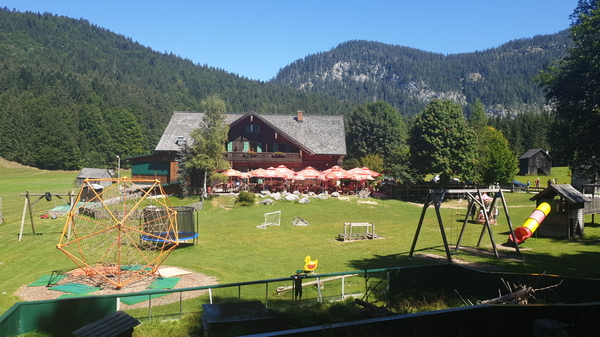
263	157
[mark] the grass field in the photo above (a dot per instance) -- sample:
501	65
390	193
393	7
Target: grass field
232	249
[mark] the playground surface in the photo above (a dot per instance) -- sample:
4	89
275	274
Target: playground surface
187	280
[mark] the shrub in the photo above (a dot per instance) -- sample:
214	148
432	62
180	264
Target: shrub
245	198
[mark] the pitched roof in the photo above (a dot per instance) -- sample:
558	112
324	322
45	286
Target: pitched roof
315	134
532	152
567	191
95	173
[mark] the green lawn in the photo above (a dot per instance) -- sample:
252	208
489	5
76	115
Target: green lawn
232	249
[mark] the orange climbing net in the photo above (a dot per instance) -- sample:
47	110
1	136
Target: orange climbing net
120	233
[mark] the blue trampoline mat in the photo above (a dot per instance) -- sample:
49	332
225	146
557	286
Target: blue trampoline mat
169	236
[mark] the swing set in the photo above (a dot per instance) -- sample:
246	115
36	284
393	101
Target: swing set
476	198
28	207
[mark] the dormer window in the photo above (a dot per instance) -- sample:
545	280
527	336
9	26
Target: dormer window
180	140
254	128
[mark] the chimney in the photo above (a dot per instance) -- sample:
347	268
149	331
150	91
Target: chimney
299	118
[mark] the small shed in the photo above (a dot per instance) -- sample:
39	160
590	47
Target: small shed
580	180
566	216
95	173
535	162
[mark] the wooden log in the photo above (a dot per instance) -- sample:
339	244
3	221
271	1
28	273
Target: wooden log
518	295
383	311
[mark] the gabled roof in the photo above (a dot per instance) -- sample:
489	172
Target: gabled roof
532	152
567	191
95	173
315	134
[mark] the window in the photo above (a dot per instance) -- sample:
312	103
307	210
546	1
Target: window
254	128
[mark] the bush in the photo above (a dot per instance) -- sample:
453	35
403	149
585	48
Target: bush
245	198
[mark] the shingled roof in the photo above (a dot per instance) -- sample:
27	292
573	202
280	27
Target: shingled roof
571	195
315	134
532	152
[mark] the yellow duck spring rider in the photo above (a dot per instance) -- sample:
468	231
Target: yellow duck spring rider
310	266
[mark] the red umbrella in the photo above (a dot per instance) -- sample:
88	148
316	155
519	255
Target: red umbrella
337	173
273	173
235	173
361	174
258	173
373	173
331	169
309	173
289	173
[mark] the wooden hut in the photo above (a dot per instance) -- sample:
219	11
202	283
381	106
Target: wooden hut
566	217
535	162
93	174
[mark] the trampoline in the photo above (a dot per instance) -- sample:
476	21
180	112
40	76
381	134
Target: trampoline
186	228
169	236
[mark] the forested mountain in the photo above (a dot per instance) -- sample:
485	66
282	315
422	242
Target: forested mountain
75	95
407	78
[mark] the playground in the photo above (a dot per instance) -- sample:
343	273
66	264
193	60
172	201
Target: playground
230	248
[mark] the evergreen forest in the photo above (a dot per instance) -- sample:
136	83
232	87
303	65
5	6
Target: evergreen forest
501	78
76	95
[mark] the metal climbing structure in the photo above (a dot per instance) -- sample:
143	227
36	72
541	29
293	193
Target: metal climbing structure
121	233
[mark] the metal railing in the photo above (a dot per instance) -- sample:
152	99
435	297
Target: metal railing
274	293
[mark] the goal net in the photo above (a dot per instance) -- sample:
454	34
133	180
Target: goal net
298	221
271	219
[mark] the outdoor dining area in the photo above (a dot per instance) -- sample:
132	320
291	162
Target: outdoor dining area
307	180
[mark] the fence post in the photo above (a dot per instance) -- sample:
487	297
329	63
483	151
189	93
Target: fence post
320	297
149	308
266	294
210	295
343	286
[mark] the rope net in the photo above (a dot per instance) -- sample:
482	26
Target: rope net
120	233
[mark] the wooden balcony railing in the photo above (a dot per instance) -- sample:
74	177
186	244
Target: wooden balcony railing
266	157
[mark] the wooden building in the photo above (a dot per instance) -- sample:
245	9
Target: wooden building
566	218
93	174
254	141
535	162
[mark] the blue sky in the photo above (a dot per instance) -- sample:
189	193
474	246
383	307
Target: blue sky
255	39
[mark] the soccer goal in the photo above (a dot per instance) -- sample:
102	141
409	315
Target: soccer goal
271	219
298	221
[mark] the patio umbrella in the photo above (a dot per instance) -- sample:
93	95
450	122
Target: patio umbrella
308	173
362	174
273	173
331	169
289	173
235	173
337	173
258	173
373	173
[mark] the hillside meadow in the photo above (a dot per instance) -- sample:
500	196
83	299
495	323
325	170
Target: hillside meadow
232	249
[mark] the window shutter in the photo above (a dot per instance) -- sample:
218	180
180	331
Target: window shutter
258	147
247	127
246	146
257	127
275	149
288	148
230	147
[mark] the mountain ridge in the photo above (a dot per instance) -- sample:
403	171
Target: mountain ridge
408	78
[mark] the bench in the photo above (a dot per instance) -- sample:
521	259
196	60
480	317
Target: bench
116	324
358	231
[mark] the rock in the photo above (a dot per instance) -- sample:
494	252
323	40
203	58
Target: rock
291	197
267	202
